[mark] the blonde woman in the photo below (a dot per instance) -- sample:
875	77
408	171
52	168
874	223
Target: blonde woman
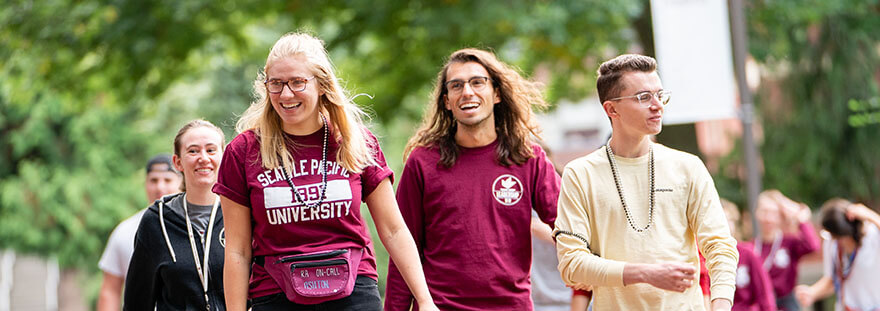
291	189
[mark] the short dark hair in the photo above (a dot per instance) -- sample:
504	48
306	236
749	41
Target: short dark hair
161	158
834	220
608	83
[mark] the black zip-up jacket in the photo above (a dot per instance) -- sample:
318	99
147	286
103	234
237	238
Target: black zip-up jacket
171	282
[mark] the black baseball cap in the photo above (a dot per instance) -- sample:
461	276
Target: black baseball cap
161	158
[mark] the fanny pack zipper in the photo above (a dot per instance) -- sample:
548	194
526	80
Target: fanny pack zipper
329	254
333	262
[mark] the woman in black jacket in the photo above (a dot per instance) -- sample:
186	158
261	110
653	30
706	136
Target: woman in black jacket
169	269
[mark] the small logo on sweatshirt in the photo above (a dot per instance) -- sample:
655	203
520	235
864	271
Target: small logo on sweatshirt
222	237
663	190
507	189
742	277
781	259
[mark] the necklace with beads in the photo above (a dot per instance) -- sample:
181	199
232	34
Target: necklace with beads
323	196
629	219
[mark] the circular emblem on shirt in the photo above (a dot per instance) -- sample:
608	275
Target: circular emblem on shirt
742	277
222	237
781	259
507	189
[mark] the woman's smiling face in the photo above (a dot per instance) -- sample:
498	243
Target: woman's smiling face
297	109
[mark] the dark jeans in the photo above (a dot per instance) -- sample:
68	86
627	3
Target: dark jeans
788	303
364	297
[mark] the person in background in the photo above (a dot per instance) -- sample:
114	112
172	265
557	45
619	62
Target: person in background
177	263
292	183
161	179
473	175
851	258
705	283
786	236
549	293
754	292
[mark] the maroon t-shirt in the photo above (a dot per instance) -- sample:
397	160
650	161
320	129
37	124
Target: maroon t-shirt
471	225
782	264
282	225
753	289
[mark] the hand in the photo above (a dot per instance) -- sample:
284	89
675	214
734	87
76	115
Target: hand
793	214
673	276
428	306
804	295
791	211
721	304
859	211
803	213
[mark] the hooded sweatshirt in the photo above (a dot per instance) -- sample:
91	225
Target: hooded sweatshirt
162	272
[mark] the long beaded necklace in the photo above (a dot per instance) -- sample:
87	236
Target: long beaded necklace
610	155
296	194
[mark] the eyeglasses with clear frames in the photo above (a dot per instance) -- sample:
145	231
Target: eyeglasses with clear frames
457	86
275	86
645	97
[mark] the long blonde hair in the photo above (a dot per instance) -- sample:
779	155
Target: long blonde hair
515	120
344	117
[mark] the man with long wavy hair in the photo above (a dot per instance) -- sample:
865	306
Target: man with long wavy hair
473	174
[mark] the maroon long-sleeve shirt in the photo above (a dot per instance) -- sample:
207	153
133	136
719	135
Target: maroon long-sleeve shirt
783	265
754	292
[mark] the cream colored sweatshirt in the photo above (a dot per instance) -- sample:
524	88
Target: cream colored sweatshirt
687	215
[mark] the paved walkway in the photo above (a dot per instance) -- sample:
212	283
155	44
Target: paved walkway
31	283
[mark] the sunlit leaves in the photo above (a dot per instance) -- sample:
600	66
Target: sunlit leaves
819	56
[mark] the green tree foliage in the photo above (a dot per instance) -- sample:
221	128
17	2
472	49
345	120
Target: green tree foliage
76	91
825	58
90	89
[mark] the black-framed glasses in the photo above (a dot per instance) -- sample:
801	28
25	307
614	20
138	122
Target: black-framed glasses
276	86
477	83
645	97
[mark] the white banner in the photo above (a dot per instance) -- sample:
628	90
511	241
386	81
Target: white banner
692	43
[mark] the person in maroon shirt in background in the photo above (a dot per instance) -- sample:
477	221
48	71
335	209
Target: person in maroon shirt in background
786	236
754	292
291	184
705	282
473	174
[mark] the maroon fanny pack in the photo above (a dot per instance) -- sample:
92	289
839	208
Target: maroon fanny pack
313	278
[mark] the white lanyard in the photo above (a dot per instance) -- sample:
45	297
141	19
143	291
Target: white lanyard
777	241
203	274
